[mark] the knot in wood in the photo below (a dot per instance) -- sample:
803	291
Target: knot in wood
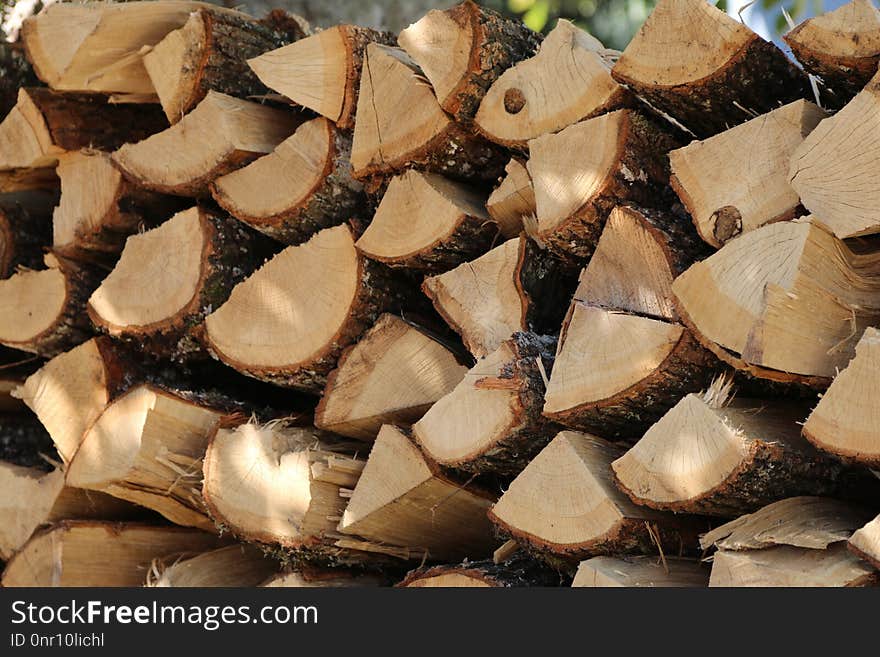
514	101
728	223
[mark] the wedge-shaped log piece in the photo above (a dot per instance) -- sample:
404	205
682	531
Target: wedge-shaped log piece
170	278
514	287
787	301
108	554
567	81
737	180
491	421
32	497
517	572
428	222
220	135
69	392
235	566
289	322
25	229
391	376
581	173
638	256
403	499
512	200
865	543
301	187
42	311
99	208
322	71
846	422
706	69
387	141
640	571
321	578
713	455
616	374
44	124
832	170
96	46
463	50
209	52
842	47
565	504
147	447
288	487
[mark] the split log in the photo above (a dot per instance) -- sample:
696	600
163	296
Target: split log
45	123
321	72
785	302
25	442
387	141
463	50
616	374
70	391
99	208
846	422
514	287
832	170
31	497
234	566
391	376
170	278
319	578
289	322
15	73
96	46
403	499
484	574
90	553
581	173
865	543
639	254
842	47
209	53
301	187
429	223
147	447
634	571
722	456
491	421
569	80
737	180
220	135
565	505
286	488
513	200
706	69
25	229
43	312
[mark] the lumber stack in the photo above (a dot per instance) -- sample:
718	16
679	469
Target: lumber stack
463	306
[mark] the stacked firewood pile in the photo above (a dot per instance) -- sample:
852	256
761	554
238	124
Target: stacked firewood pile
463	306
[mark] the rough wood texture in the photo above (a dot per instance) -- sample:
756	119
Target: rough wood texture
235	566
322	71
635	571
25	229
842	47
565	504
491	421
429	223
220	135
277	326
737	180
581	173
391	376
567	81
45	123
516	286
463	50
310	577
706	69
170	278
513	200
301	187
517	572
